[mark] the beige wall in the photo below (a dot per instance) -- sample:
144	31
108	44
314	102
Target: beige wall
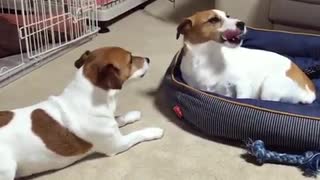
253	12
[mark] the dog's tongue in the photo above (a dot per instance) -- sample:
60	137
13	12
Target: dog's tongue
230	34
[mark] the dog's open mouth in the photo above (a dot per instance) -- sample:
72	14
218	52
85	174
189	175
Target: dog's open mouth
233	36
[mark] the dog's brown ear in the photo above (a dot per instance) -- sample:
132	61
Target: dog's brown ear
82	59
183	27
108	77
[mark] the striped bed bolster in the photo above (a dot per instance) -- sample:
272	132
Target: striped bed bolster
234	119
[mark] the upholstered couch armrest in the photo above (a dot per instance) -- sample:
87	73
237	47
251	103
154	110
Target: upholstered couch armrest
296	13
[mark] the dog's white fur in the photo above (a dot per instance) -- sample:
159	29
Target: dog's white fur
85	110
235	71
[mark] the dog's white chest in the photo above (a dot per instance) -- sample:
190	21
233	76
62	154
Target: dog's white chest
200	72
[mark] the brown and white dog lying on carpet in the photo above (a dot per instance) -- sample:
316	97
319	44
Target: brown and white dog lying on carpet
213	61
65	128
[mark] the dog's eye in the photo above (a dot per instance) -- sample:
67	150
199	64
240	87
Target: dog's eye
228	16
214	20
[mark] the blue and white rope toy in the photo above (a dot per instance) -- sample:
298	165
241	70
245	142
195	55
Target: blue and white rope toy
309	162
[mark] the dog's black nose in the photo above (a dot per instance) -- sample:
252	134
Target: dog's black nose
148	60
240	25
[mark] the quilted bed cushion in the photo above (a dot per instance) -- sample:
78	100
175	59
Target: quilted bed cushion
303	49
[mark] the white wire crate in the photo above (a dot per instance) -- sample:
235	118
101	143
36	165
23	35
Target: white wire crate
43	28
110	9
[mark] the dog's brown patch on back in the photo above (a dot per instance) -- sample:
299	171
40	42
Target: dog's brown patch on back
5	117
56	137
200	30
297	75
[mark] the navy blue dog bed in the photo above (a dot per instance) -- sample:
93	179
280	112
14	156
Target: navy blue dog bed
278	124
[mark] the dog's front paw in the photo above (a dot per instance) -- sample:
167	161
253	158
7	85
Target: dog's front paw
152	133
132	116
128	118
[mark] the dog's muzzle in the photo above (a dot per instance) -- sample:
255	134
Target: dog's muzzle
235	36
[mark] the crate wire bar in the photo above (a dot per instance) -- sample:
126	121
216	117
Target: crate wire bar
46	27
110	9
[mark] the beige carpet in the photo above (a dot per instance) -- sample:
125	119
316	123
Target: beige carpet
181	154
